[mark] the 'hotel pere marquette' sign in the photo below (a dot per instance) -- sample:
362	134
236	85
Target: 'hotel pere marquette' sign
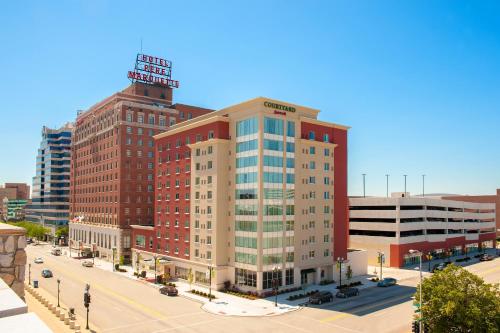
153	70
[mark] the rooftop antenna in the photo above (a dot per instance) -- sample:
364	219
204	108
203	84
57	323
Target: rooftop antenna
141	44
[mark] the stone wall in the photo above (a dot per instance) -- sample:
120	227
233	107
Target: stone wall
13	257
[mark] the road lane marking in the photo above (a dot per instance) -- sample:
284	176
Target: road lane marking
151	321
189	325
361	309
117	295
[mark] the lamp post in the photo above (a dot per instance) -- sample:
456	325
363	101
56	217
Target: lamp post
364	188
419	253
405	183
210	268
29	273
387	185
340	261
86	302
275	284
154	257
58	284
423	185
114	251
381	259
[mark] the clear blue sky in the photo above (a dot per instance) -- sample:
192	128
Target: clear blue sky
418	81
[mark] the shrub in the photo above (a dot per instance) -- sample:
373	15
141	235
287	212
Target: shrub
117	267
227	285
143	274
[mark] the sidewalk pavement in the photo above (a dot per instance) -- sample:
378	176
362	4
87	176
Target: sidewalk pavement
46	315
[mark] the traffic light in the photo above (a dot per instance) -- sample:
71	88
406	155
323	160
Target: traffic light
86	299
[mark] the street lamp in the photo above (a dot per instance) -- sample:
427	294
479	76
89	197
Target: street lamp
364	182
419	253
86	302
114	251
155	267
210	268
29	273
58	284
381	259
340	261
275	284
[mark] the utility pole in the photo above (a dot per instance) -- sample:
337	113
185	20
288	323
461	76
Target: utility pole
387	185
364	182
381	258
340	261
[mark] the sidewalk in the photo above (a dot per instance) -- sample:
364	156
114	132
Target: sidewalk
46	315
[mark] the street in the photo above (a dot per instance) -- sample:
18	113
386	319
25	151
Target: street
121	304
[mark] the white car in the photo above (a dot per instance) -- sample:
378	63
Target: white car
38	261
87	263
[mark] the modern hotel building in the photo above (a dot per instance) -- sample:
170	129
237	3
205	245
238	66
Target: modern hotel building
436	226
50	198
255	191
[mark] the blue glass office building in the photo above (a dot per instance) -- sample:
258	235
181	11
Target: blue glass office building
50	197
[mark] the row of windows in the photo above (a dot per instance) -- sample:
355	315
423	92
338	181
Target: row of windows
268	226
277	161
246	146
247	126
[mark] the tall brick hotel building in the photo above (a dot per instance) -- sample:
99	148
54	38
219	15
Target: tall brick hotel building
251	190
112	166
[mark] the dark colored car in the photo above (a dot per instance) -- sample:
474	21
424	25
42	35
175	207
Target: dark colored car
440	266
387	282
321	297
347	292
486	257
169	291
47	273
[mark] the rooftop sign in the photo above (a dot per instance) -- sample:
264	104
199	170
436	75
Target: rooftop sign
153	70
279	107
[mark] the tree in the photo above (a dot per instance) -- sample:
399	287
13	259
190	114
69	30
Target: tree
348	274
190	278
62	231
456	300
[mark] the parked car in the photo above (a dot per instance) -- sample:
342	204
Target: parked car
347	292
87	263
38	261
321	297
47	273
439	267
486	257
169	291
29	240
387	282
56	252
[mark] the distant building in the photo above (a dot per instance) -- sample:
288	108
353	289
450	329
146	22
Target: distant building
13	199
15	191
50	202
13	210
434	225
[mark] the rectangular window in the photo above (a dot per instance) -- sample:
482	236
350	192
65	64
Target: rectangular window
273	161
247	126
312	150
245	258
290	128
246	146
243	162
246	242
273	177
273	126
273	145
290	147
245	178
246	226
246	194
326	152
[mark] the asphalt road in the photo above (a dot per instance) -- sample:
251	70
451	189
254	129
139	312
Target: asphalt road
120	304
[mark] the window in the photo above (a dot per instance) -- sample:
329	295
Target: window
326	180
273	177
326	152
245	258
247	126
140	241
129	130
151	119
273	145
246	225
244	178
289	277
312	135
245	277
290	129
312	165
326	167
247	194
243	162
246	242
209	165
267	278
326	138
290	147
312	150
273	126
272	161
129	117
210	150
246	146
211	134
140	118
162	121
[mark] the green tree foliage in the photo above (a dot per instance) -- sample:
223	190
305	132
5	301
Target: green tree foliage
32	229
62	231
456	300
